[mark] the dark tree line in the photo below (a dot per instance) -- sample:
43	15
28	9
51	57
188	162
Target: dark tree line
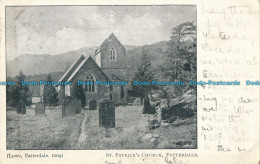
78	93
50	95
17	92
179	65
144	73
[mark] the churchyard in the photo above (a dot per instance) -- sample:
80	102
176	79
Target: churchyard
116	96
131	132
53	130
98	117
43	131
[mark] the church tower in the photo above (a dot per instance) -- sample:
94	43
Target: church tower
110	57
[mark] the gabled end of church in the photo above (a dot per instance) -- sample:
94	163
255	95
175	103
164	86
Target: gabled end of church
109	65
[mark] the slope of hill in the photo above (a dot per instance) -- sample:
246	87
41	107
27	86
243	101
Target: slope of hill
44	64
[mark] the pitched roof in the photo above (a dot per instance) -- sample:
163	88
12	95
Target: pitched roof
112	35
82	63
72	68
77	65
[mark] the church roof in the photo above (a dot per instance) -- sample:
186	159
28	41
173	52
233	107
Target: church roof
90	59
71	69
77	65
112	35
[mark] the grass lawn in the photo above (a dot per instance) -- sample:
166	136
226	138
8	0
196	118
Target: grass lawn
131	133
48	131
129	130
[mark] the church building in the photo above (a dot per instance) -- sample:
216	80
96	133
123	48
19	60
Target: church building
109	65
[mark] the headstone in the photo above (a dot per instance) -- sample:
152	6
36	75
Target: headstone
106	113
93	105
77	105
148	108
68	107
39	108
21	107
137	102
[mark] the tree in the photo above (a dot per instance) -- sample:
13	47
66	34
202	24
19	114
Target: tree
50	95
181	58
78	92
18	91
144	74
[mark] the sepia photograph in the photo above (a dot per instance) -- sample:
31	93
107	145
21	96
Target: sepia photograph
101	77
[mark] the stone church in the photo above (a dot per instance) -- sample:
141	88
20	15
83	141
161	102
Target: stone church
109	65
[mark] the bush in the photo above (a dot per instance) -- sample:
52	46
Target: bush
21	107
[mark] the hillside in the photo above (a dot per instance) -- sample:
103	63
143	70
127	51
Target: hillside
44	64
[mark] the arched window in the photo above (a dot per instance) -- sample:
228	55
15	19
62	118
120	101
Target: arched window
91	87
113	54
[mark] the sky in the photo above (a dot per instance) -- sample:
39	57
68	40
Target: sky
59	29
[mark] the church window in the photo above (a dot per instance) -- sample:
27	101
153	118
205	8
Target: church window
91	81
113	54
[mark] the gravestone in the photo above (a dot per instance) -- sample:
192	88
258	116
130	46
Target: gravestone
106	113
21	107
148	108
93	105
77	105
68	107
137	102
39	108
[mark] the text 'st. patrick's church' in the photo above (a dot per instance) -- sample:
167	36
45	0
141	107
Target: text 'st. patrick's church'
109	65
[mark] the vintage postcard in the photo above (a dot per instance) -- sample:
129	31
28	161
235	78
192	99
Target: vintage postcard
129	82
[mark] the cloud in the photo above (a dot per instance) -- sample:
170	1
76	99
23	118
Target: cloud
59	29
140	30
67	39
